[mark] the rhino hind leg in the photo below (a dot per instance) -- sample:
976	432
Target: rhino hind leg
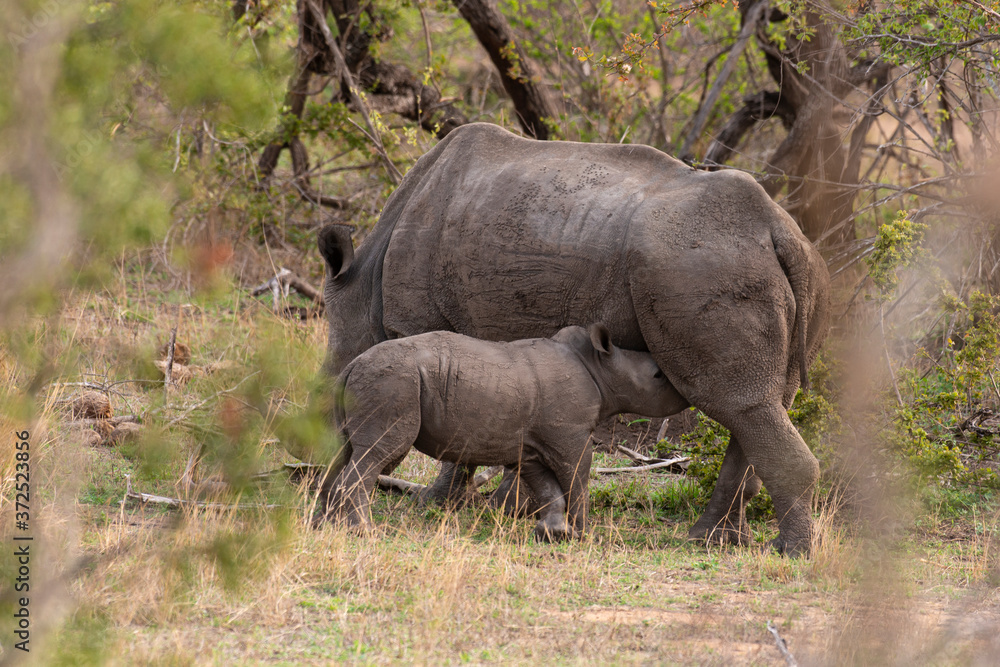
451	486
787	469
380	432
724	521
513	496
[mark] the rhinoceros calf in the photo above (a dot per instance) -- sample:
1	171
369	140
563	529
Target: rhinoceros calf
504	238
529	403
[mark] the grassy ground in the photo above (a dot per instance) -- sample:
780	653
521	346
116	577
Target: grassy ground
123	583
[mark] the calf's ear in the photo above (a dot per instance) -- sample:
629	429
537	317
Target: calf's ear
336	247
600	338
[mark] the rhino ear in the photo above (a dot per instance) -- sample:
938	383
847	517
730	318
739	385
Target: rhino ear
336	247
600	338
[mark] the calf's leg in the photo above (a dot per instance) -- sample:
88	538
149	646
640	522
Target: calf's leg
552	527
381	428
513	497
573	473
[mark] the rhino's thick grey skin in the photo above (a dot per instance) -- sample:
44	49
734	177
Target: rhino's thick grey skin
504	238
530	403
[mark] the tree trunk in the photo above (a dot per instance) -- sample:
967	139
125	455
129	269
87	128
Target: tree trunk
531	103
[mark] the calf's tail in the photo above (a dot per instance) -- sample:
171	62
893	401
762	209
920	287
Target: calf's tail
339	416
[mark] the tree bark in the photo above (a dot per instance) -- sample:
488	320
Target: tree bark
531	103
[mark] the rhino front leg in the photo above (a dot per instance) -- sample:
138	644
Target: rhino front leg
552	527
573	474
724	521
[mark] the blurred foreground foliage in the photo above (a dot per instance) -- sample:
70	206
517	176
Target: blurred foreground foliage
95	91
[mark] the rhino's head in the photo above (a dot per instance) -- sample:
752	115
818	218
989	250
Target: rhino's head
347	293
629	381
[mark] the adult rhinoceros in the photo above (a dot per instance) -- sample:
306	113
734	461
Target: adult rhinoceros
501	238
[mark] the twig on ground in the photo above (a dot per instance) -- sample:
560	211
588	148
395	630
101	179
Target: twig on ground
485	476
402	487
291	468
636	456
782	646
178	502
168	371
652	466
282	282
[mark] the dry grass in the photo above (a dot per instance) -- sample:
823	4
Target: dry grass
123	584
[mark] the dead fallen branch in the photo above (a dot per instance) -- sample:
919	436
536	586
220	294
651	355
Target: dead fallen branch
636	456
782	646
293	470
402	487
280	285
114	421
652	466
145	498
485	476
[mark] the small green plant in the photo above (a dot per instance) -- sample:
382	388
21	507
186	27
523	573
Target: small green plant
931	432
897	246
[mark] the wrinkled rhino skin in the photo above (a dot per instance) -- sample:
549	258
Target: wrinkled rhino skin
504	238
532	404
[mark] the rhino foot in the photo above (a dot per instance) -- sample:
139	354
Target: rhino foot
793	548
331	517
555	532
721	532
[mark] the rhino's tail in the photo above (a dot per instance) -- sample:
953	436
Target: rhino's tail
807	276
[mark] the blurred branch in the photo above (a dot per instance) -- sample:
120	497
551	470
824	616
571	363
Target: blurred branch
180	502
55	225
651	466
782	646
